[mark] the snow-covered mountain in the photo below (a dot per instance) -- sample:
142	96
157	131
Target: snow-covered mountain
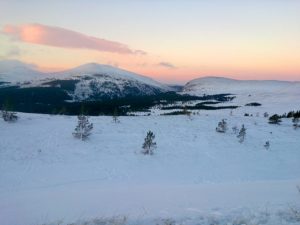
14	71
97	80
107	70
86	82
270	93
217	85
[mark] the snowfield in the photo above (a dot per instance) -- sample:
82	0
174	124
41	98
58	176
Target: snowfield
196	176
275	96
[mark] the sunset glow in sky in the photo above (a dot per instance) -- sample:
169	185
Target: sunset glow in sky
170	40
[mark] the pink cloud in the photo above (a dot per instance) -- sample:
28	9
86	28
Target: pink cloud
63	38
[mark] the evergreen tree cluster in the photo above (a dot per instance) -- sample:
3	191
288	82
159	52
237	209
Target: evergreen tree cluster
291	114
275	119
241	133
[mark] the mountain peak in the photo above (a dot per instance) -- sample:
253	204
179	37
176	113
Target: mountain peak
93	67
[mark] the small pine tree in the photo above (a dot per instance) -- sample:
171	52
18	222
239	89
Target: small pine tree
296	124
242	134
115	116
266	115
297	114
267	145
7	114
290	114
62	111
275	119
235	129
222	126
149	144
187	113
83	128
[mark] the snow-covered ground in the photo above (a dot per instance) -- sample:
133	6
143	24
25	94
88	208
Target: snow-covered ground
275	96
196	176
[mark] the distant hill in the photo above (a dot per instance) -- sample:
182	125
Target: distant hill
270	93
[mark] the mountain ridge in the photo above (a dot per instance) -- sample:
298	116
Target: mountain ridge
89	81
213	85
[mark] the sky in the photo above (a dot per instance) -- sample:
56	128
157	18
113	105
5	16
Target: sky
169	40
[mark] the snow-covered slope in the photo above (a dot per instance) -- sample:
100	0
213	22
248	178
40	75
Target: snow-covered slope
13	71
47	175
113	72
87	82
283	95
217	85
96	80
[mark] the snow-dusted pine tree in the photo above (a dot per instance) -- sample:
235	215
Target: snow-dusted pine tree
7	112
83	128
235	129
222	126
187	112
149	144
296	124
266	115
115	116
275	119
242	134
267	145
9	116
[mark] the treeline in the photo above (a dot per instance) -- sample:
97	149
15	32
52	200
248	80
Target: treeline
291	114
55	101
